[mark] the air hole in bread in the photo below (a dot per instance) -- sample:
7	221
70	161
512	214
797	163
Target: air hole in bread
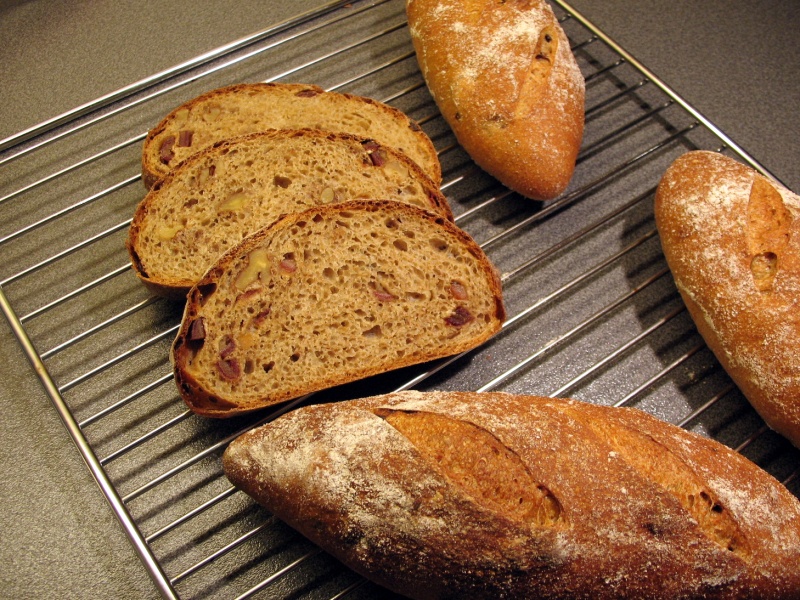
206	291
373	332
438	244
282	182
656	463
478	463
764	267
400	245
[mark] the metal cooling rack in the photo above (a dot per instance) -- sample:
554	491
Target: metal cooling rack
593	311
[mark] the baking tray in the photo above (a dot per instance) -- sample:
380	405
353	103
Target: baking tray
594	313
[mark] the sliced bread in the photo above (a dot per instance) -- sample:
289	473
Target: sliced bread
222	194
331	295
250	107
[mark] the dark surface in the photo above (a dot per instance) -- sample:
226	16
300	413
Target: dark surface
736	61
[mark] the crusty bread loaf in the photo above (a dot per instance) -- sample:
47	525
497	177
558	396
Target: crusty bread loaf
505	79
223	193
470	495
250	107
731	238
330	295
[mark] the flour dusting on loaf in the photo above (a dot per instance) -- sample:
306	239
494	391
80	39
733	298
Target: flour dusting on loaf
358	478
744	301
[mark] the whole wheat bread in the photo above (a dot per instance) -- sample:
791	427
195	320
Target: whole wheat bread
250	107
731	238
488	496
223	193
506	81
327	296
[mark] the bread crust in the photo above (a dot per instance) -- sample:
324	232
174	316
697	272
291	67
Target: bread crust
505	79
718	219
368	492
307	105
357	308
169	265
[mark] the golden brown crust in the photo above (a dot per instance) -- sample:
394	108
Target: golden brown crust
368	491
504	78
732	241
246	167
281	106
402	318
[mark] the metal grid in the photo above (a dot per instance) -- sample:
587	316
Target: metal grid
593	311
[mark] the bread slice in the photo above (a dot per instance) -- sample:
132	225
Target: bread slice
328	296
250	107
235	187
509	496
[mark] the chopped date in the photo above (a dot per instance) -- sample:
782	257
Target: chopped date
185	138
228	347
383	296
229	369
458	290
288	265
460	317
197	330
165	151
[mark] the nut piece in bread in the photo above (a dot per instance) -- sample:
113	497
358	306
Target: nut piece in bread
470	495
505	79
251	107
328	296
220	195
731	238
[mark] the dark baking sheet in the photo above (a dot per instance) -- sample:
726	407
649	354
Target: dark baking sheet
594	313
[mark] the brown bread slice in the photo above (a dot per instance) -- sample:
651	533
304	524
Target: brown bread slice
330	295
250	107
222	194
491	495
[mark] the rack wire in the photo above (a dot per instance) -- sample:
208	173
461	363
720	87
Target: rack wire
593	312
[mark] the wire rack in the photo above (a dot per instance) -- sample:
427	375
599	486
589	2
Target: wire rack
593	311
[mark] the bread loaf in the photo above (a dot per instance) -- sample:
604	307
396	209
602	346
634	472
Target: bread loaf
327	296
223	193
731	238
505	79
247	108
470	495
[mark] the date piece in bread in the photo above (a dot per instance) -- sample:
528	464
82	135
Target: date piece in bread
223	193
731	238
471	495
505	79
250	107
328	296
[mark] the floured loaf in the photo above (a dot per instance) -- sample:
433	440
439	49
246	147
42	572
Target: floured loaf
223	193
331	295
731	238
470	495
505	79
250	107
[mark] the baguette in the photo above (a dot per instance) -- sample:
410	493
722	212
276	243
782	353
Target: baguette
505	79
731	238
470	495
328	296
223	193
250	107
